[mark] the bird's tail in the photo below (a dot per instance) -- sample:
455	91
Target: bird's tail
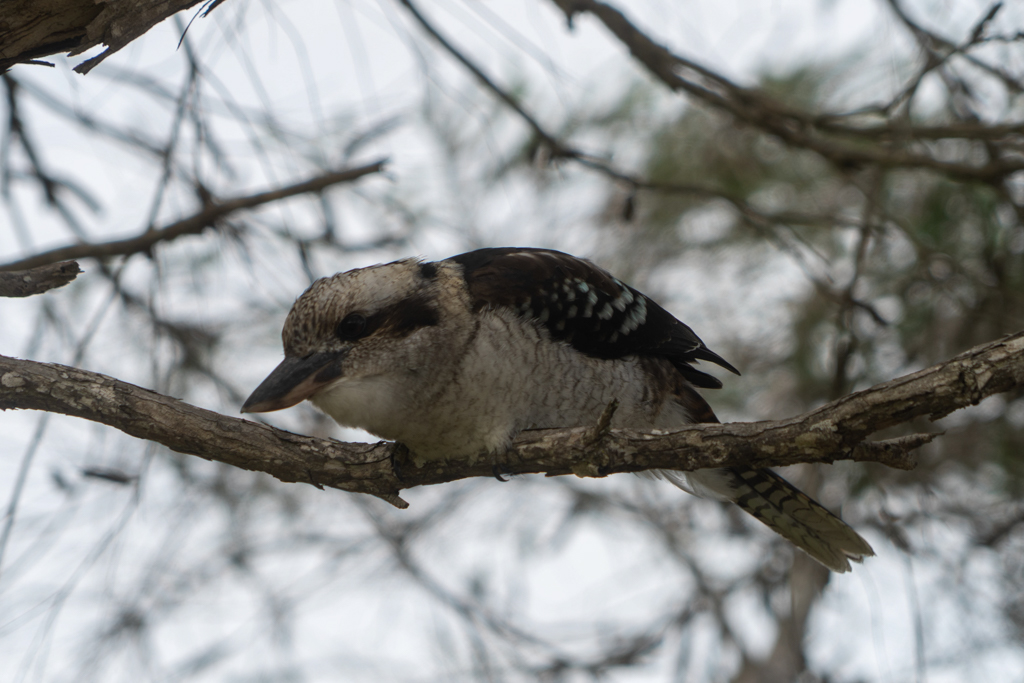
783	508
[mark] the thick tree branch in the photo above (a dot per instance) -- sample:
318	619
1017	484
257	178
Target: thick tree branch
939	49
214	211
835	431
37	28
20	283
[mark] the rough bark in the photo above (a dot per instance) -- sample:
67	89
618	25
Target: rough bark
835	431
30	29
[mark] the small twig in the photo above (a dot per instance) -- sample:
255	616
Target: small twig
562	150
591	462
21	283
110	474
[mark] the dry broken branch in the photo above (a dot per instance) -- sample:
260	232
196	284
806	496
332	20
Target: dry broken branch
21	283
835	431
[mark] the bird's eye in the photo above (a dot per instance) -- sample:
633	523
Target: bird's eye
352	327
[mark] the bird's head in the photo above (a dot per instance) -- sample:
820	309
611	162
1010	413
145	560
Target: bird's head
368	323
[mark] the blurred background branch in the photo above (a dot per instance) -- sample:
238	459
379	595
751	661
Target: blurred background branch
214	210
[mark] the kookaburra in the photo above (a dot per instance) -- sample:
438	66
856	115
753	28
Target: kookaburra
454	358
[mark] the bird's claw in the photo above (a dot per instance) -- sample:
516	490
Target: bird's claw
497	470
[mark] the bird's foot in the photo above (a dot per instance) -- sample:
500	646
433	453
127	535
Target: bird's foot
399	455
499	469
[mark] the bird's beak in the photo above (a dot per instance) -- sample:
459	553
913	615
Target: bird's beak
293	381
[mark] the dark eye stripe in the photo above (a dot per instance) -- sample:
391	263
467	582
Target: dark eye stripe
398	320
352	327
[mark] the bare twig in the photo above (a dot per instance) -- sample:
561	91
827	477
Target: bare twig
193	224
559	149
835	431
32	29
793	126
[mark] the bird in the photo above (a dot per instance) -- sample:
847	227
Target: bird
454	358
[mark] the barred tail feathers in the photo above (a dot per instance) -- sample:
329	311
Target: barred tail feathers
782	507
